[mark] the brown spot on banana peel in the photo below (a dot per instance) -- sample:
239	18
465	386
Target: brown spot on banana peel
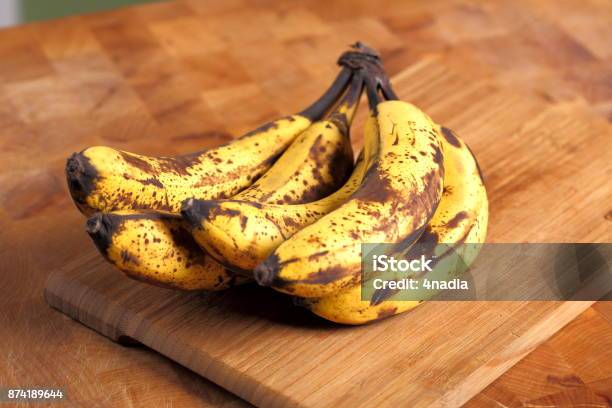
380	295
180	165
138	163
340	165
387	312
327	275
196	211
264	128
183	238
376	187
437	156
128	257
450	137
243	222
427	199
320	277
150	181
290	222
252	204
213	135
454	222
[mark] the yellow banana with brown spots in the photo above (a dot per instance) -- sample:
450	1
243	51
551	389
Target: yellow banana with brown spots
315	165
155	247
242	231
105	179
460	220
396	200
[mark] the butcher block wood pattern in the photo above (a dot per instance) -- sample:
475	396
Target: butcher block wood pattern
526	83
440	354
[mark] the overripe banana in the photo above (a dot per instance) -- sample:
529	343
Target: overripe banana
318	161
460	220
396	200
242	231
105	179
155	247
316	164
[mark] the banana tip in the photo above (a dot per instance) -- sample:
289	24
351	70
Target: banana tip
265	271
193	211
94	224
188	211
100	228
300	302
81	176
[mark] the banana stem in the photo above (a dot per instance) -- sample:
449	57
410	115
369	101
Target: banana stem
366	61
372	91
100	228
387	90
345	111
377	83
321	106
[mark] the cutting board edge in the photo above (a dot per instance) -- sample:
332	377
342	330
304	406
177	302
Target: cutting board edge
225	376
58	282
255	392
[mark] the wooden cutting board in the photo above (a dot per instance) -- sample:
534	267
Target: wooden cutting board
254	343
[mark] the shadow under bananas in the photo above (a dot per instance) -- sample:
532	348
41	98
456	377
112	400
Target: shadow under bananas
264	303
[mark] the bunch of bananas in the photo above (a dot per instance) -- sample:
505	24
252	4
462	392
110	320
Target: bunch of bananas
286	205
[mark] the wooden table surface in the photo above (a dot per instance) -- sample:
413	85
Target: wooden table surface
179	76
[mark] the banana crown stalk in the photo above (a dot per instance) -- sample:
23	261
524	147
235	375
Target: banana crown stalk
460	219
241	232
105	179
394	203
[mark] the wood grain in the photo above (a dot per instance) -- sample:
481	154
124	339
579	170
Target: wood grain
272	354
441	354
130	78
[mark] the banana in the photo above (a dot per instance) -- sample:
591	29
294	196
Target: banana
460	219
242	231
155	247
396	200
105	179
315	165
